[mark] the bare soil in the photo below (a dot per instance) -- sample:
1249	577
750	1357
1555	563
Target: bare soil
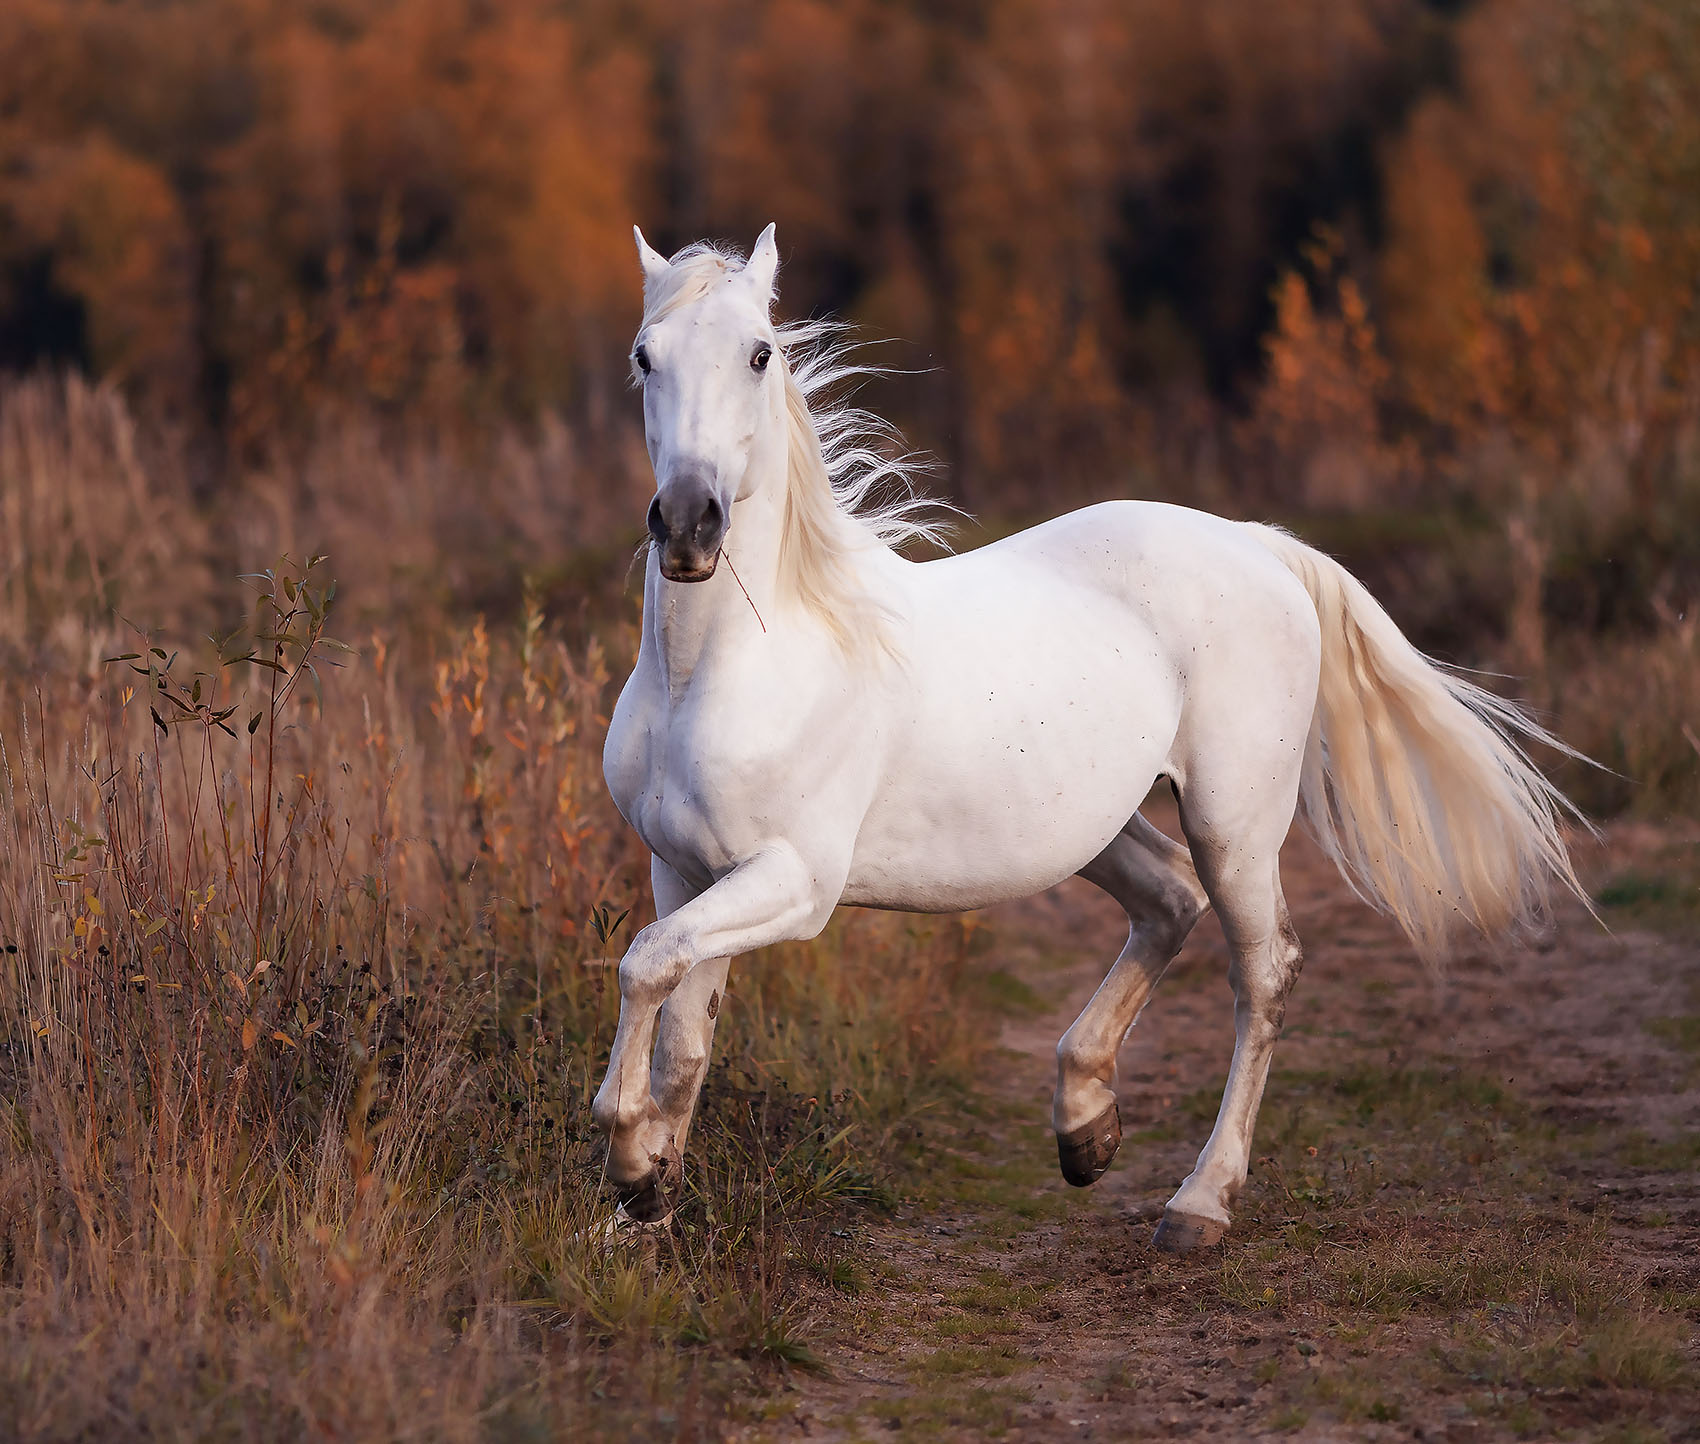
1473	1214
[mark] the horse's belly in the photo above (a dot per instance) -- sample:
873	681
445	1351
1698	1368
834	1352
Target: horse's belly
1020	784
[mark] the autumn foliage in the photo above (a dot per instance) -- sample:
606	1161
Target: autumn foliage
1345	257
250	203
303	987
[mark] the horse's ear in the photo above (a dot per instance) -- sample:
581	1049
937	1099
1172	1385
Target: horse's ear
763	264
653	262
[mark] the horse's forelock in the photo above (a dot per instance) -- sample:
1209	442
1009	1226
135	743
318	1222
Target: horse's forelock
687	279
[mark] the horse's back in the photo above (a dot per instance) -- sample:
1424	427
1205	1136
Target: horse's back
1203	595
1228	615
1149	554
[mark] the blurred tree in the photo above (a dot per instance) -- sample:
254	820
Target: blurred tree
1320	413
102	232
1080	210
1541	272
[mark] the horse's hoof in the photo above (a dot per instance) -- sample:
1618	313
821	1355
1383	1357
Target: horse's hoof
621	1227
1183	1232
626	1226
646	1200
649	1199
1085	1152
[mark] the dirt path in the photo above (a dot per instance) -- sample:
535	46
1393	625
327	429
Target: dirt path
1474	1213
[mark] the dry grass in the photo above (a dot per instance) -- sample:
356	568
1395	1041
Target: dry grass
94	514
106	517
307	987
304	997
1439	1207
1635	709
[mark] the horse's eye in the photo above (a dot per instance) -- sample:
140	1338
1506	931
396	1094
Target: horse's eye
641	356
758	362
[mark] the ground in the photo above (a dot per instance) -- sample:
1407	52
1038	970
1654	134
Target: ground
1473	1212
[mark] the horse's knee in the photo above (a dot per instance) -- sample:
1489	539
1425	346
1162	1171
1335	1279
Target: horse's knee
653	965
685	1059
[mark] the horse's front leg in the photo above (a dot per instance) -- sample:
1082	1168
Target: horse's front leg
669	976
684	1034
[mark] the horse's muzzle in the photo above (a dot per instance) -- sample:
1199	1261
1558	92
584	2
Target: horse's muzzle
688	525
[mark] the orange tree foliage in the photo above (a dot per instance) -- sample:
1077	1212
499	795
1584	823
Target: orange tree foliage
1540	287
1079	210
1542	266
249	206
263	203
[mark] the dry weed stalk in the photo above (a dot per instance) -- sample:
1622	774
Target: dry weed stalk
301	1008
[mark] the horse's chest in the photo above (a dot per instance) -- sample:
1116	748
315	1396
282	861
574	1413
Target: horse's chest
692	816
693	794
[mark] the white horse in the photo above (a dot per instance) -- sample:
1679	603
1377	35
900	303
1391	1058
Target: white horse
821	721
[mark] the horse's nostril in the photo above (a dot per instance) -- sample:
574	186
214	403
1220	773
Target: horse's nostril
657	522
712	520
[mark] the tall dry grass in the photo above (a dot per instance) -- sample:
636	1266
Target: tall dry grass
307	975
107	519
95	514
1635	709
306	986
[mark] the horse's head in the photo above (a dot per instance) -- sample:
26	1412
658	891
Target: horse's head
712	397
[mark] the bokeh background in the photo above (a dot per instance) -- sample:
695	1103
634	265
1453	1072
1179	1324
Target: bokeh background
1418	276
307	953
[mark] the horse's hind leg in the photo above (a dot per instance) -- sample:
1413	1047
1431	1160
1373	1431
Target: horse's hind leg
1152	877
1238	860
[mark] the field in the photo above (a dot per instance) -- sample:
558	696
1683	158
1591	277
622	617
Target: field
321	488
307	980
309	928
1472	1214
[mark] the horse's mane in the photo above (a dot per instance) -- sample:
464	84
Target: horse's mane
849	485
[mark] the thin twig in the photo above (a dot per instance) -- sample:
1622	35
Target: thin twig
745	590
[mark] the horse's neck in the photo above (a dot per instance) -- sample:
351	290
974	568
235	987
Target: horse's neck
691	623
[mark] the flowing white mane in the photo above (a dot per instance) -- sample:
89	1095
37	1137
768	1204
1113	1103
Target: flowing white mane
849	485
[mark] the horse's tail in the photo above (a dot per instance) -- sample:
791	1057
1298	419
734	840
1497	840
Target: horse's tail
1414	781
